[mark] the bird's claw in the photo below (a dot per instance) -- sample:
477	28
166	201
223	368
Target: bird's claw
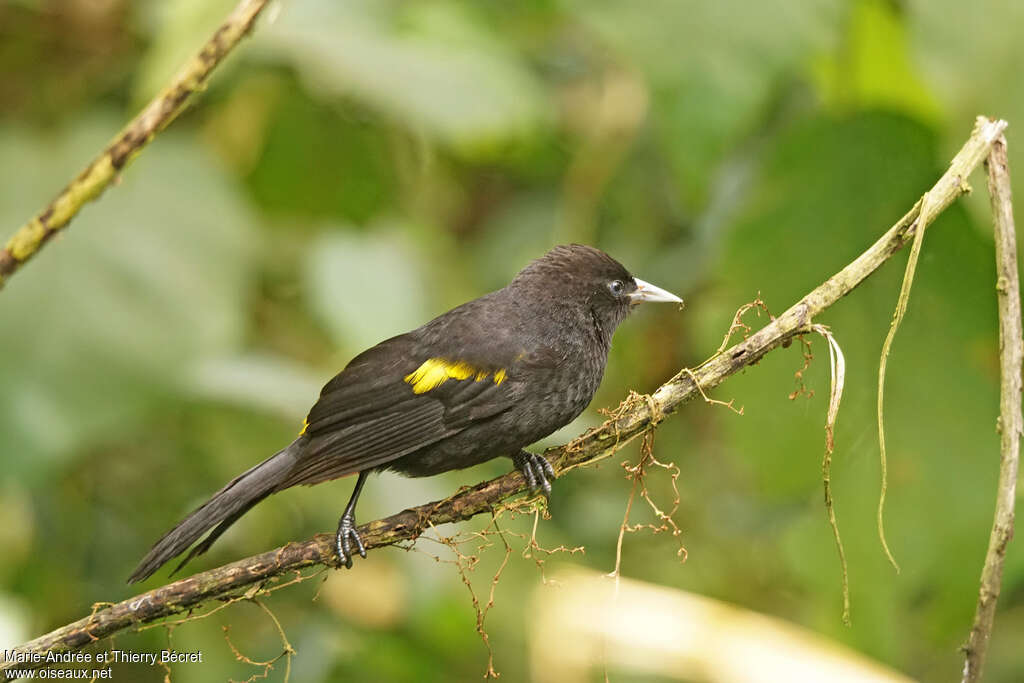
343	540
536	470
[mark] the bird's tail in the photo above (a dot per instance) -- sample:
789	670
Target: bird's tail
218	513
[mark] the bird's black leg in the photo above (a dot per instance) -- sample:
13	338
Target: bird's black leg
536	470
347	533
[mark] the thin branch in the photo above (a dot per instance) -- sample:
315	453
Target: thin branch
634	417
104	169
1011	349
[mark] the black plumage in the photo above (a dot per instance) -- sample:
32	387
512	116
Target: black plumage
483	380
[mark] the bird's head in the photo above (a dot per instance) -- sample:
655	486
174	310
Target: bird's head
577	275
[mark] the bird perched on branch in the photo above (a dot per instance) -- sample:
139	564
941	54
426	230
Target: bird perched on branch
485	379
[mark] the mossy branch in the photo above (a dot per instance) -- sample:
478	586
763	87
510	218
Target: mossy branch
255	574
104	169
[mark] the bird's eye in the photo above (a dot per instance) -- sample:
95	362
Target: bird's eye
616	287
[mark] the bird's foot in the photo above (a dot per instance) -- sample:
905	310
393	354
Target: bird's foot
536	470
347	536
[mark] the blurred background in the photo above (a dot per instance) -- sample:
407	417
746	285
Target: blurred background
358	167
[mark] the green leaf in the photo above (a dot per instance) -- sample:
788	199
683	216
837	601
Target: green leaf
874	68
262	381
366	287
144	281
712	67
431	67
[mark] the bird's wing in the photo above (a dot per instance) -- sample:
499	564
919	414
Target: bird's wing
389	402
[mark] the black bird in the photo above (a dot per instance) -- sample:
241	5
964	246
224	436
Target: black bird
483	380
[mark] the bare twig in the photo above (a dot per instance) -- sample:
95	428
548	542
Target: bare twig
104	169
630	421
1011	352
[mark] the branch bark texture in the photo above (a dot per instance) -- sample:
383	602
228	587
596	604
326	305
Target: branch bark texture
103	170
1011	353
635	415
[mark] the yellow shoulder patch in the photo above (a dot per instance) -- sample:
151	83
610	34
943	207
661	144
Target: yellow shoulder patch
436	371
305	425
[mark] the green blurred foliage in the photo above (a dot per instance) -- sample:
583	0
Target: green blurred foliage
362	166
